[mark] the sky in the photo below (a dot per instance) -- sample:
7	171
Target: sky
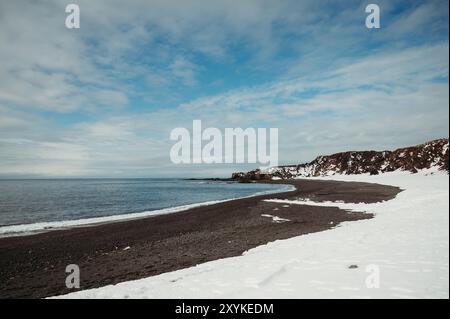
102	100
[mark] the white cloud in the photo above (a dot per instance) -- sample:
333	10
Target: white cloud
329	96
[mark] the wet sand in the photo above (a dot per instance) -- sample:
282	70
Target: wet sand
34	266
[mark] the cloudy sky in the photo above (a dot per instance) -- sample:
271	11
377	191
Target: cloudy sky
101	101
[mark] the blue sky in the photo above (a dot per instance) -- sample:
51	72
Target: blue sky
100	101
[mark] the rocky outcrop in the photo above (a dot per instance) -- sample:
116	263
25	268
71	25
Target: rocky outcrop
433	154
255	175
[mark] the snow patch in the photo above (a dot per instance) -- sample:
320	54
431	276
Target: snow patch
276	219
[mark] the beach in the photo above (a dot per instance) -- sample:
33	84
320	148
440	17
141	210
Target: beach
34	266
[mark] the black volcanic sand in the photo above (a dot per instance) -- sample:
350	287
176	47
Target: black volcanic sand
34	266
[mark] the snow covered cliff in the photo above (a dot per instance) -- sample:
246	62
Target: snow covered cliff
431	155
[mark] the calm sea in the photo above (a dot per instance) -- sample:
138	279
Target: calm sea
25	202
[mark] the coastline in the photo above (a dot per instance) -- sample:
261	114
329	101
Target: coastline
43	227
34	266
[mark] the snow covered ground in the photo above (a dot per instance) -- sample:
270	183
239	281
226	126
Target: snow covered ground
401	253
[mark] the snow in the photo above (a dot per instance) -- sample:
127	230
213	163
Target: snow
276	219
341	205
401	253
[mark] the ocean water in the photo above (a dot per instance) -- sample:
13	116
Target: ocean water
48	202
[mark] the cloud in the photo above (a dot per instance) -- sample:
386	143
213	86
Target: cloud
184	70
102	100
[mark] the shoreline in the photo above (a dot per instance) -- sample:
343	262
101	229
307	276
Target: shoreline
34	266
21	230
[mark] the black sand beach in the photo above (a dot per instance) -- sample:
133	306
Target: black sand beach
34	266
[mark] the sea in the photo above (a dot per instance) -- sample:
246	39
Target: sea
28	206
